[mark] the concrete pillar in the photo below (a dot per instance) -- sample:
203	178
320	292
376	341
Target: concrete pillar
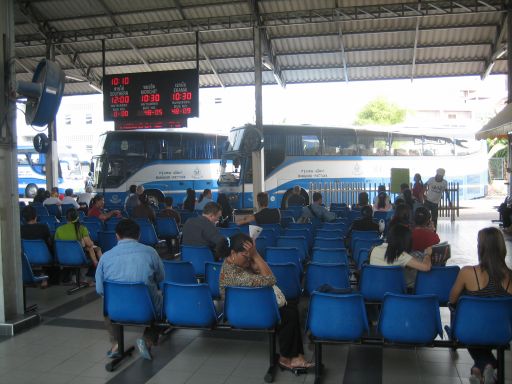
52	157
258	160
11	289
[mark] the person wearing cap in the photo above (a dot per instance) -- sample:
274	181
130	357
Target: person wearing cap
435	186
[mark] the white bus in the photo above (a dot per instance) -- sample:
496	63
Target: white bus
32	172
299	155
165	162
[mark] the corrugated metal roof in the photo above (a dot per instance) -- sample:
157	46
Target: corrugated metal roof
310	40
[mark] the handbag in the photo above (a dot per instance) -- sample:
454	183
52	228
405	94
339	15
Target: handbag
281	300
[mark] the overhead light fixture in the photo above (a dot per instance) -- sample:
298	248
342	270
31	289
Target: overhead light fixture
97	89
267	63
75	78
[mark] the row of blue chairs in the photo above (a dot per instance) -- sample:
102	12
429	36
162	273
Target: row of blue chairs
412	321
191	306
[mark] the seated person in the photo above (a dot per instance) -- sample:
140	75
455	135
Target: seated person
168	211
424	234
32	230
84	199
73	230
129	262
296	199
382	203
244	267
69	199
227	211
96	209
317	210
265	215
189	204
362	200
201	231
396	252
40	196
205	198
365	223
144	210
381	189
401	216
53	199
505	211
490	278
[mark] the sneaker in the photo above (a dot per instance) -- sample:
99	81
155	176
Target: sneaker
143	349
474	380
489	375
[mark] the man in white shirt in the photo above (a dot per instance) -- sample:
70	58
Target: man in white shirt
435	186
69	199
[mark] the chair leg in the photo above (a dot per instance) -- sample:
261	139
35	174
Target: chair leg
26	309
79	285
119	332
501	366
318	363
271	371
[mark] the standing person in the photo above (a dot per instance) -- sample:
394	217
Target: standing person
490	278
418	189
205	198
201	230
296	199
244	267
318	211
227	210
130	262
189	204
144	210
435	186
265	215
131	198
168	211
134	199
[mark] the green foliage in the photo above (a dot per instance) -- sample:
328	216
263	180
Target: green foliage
381	112
497	147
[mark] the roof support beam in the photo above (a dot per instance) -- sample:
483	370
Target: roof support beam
121	29
272	63
343	54
50	36
497	47
414	51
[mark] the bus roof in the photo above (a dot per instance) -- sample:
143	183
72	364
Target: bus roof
164	131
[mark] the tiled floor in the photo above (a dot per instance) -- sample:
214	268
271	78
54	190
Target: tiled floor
70	347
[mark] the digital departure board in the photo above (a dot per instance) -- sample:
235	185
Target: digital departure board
151	99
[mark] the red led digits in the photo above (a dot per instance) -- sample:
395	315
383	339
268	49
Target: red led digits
120	99
115	81
150	98
178	96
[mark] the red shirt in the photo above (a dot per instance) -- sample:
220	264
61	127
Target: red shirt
423	238
94	211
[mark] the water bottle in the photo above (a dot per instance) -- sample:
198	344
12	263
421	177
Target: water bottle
382	225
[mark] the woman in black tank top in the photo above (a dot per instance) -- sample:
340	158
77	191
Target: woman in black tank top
490	278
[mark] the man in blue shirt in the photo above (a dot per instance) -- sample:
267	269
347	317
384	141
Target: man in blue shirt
129	262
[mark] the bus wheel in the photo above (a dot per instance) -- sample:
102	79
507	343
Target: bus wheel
30	191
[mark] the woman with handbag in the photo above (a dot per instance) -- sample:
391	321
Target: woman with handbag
244	267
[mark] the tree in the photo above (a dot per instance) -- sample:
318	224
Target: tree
381	112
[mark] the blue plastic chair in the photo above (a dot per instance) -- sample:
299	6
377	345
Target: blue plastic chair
301	226
185	215
283	255
93	228
335	275
286	221
54	209
300	232
110	224
127	304
438	281
482	321
240	308
275	226
211	277
50	220
198	256
64	208
363	235
148	234
410	319
376	281
70	254
189	305
322	242
94	219
107	240
230	231
37	252
330	256
270	234
28	280
41	210
334	317
363	257
262	243
166	227
329	233
179	272
287	277
298	242
358	244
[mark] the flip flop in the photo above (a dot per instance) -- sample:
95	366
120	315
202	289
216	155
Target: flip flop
113	354
144	350
295	370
